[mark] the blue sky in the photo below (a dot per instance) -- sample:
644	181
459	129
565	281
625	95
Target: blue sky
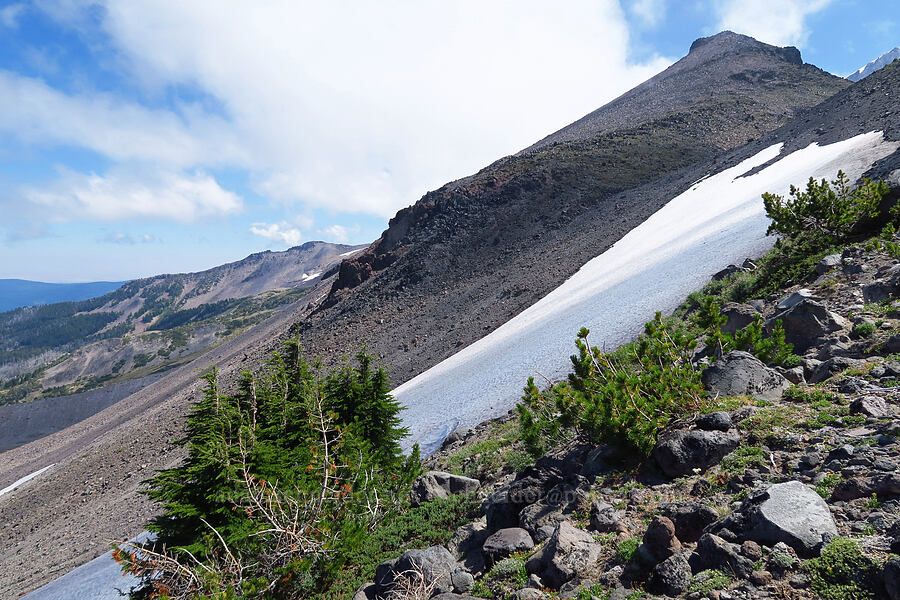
140	137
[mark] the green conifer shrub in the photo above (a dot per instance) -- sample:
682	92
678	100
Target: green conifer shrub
281	482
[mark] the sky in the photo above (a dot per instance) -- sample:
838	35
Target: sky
140	137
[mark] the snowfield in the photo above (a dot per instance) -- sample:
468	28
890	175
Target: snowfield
23	480
720	220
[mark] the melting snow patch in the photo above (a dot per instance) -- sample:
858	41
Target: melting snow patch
311	276
718	221
352	252
25	479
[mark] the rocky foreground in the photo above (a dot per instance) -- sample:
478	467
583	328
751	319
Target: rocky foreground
787	488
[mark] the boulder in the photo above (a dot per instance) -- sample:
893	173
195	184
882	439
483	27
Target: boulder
569	553
789	512
457	435
871	406
833	366
461	580
469	537
794	299
738	315
806	323
672	576
505	543
742	374
715	421
434	563
605	518
881	289
558	505
892	578
452	596
502	507
678	452
713	552
689	518
828	263
660	541
437	484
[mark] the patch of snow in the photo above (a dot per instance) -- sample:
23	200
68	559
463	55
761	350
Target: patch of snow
716	222
100	579
25	479
311	276
352	252
879	63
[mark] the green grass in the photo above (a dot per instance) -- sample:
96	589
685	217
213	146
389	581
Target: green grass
742	458
843	572
487	457
707	581
429	524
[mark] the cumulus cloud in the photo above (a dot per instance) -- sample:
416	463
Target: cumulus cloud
781	24
356	108
339	233
9	15
123	131
282	233
121	196
649	12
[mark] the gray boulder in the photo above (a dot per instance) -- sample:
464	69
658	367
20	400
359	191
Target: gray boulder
806	323
882	289
740	373
365	592
558	505
452	596
505	543
828	263
672	576
789	512
871	406
435	565
502	507
739	316
569	553
461	580
678	452
715	421
713	552
892	578
605	518
437	484
689	518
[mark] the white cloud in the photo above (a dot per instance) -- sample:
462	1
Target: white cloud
121	196
352	108
9	15
782	23
278	232
120	130
339	233
650	12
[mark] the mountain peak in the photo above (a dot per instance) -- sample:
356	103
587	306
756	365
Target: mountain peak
729	41
880	62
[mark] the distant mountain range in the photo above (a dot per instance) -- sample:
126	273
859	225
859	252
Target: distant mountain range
879	63
15	293
151	324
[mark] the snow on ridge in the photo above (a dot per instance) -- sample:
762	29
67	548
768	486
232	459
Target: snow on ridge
879	63
25	479
311	276
352	252
718	221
